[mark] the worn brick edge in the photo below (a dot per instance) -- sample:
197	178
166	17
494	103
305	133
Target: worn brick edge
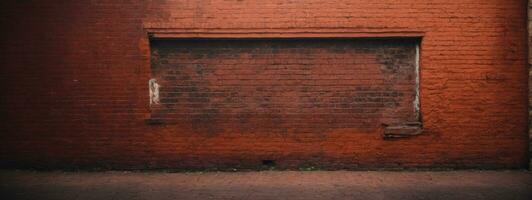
168	33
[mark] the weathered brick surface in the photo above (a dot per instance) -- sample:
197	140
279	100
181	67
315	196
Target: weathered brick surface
288	87
529	23
74	79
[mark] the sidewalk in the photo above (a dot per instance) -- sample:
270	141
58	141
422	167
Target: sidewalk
266	185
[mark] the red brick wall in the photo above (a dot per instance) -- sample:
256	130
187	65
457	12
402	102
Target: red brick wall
74	79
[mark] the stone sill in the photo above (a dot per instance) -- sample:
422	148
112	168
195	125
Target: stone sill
402	131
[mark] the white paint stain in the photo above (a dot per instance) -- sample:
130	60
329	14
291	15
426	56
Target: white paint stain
154	91
416	100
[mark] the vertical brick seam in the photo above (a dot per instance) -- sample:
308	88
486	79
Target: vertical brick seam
529	28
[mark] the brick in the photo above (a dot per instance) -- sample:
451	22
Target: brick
75	78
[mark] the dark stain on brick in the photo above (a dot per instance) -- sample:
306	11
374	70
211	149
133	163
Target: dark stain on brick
206	121
242	85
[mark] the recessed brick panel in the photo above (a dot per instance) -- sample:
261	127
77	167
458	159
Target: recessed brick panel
284	86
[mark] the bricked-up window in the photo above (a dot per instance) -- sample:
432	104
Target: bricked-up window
215	86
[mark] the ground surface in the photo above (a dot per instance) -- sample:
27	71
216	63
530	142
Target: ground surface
267	185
